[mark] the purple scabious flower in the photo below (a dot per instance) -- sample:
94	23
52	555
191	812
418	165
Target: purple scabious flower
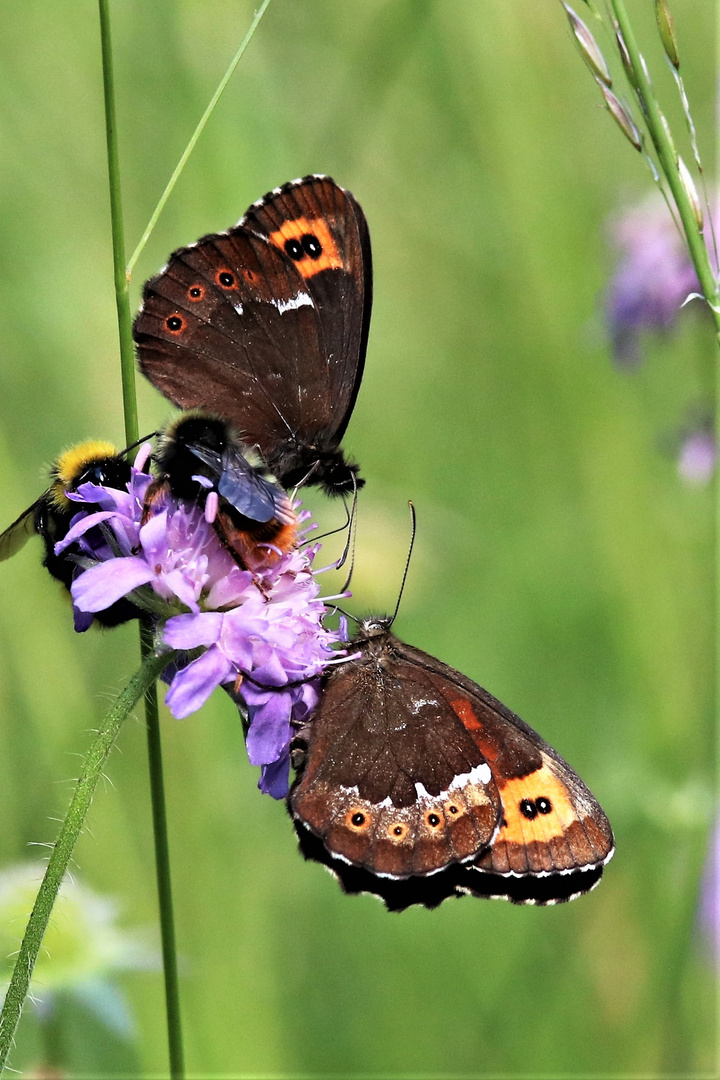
697	457
653	280
257	632
709	913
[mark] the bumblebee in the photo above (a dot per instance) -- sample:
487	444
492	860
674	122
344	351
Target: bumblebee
96	462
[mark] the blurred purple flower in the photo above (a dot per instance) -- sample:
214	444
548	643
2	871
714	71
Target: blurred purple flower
697	457
709	915
653	280
257	632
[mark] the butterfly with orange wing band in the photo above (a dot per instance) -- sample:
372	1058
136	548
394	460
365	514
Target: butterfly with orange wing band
414	784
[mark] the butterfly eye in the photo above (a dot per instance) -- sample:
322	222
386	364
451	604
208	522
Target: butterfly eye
226	279
544	806
175	324
311	246
196	292
528	809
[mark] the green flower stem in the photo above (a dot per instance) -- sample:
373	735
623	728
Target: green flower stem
65	845
162	868
157	787
122	294
661	142
196	135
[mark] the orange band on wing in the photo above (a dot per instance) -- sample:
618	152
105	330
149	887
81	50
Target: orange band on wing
328	259
525	806
465	712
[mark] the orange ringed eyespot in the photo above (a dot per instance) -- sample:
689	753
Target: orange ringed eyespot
226	279
196	293
175	324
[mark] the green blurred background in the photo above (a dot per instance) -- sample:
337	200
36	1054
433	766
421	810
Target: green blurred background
560	561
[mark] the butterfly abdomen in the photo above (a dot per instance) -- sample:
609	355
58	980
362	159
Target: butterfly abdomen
327	468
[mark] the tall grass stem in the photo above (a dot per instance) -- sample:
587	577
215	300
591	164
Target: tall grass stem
663	146
196	135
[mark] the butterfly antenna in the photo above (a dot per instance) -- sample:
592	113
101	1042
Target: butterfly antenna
351	538
413	530
303	482
331	532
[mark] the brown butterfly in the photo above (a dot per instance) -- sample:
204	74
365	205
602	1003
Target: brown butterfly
266	326
415	784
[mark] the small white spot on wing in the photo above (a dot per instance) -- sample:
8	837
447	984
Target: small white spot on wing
302	299
419	703
481	774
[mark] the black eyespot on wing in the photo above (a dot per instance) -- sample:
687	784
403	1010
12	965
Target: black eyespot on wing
528	809
311	246
294	249
226	279
175	324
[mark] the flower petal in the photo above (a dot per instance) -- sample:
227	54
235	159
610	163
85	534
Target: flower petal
191	631
100	586
192	686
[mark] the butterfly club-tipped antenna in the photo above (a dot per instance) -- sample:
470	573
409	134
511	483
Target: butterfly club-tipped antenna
348	523
413	531
351	538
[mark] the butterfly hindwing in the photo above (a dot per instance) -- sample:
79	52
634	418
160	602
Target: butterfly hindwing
398	790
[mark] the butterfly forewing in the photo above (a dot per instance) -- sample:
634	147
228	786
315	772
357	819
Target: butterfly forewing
551	821
338	276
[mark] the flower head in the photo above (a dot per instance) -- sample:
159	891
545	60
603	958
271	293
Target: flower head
82	943
255	630
653	280
697	457
709	914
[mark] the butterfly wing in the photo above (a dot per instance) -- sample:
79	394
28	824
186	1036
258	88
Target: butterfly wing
391	781
265	332
551	822
338	278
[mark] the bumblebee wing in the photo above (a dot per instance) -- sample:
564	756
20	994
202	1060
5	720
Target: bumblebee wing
17	534
240	484
245	489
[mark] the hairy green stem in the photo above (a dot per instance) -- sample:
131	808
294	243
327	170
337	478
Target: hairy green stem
196	135
162	870
65	845
157	787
